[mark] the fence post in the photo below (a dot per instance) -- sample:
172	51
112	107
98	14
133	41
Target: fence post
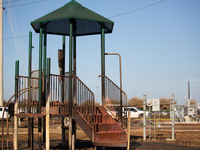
144	117
16	105
172	116
128	128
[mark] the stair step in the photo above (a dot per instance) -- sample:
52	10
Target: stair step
105	136
111	144
108	127
108	118
99	118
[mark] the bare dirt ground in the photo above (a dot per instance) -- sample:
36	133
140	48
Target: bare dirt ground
187	137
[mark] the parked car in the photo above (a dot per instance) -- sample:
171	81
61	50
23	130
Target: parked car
5	113
135	112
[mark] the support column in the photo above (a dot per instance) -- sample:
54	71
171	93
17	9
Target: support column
103	63
70	87
48	106
40	89
44	82
30	140
144	117
63	73
16	105
74	84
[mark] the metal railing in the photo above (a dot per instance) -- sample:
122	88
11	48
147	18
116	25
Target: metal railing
23	97
115	101
83	101
28	100
59	94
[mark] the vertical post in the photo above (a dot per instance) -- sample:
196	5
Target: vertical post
74	84
1	53
128	128
70	86
44	81
150	123
16	105
173	125
144	117
63	73
48	105
154	124
29	85
103	63
40	88
63	42
44	65
188	101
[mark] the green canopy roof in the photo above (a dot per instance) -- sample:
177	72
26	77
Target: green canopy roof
87	21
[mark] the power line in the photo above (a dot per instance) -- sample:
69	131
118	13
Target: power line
9	2
25	36
25	4
136	9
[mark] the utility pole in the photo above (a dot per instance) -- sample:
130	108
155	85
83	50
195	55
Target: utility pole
1	53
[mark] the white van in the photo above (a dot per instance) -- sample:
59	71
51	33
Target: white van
135	112
5	113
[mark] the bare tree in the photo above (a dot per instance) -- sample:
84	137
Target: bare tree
136	102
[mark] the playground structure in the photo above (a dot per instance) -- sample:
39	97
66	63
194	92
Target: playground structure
43	95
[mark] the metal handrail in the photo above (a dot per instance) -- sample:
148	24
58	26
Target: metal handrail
83	96
109	94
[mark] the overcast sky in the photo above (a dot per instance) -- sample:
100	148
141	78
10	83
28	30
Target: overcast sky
159	42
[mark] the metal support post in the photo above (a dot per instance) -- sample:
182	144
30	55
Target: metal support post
16	105
48	106
144	117
29	85
74	83
70	88
173	121
44	82
62	94
103	63
40	90
150	123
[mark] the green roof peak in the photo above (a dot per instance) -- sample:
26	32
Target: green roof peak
86	21
73	2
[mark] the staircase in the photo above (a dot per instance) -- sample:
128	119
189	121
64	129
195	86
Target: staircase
108	131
